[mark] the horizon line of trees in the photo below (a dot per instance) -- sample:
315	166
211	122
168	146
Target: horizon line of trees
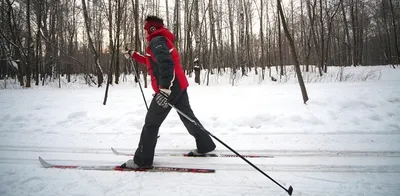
57	38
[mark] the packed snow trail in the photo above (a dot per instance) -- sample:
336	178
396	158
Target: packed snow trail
344	141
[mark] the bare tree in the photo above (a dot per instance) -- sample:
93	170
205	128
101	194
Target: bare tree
45	43
242	38
232	38
330	18
280	46
91	45
213	42
355	29
221	48
294	54
138	44
167	12
38	52
72	31
396	46
322	38
29	44
262	39
177	23
197	65
118	21
188	51
347	34
248	45
59	61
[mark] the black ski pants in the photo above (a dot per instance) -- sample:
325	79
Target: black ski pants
156	114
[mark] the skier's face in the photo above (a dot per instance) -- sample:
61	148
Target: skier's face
147	27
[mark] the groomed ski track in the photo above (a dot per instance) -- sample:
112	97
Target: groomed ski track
284	161
307	171
344	142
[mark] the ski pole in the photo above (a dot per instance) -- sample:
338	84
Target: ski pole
289	190
137	77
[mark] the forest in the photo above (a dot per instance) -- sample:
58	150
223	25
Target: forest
43	40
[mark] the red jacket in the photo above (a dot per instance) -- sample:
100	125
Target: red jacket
163	62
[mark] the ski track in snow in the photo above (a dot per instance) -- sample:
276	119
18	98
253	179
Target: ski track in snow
344	141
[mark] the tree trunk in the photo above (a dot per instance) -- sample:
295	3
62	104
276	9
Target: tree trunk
314	36
280	47
61	42
213	41
329	37
187	58
38	41
388	48
322	41
294	54
29	46
91	45
346	30
248	23
15	36
396	46
262	40
242	38
269	35
167	12
197	63
353	14
177	24
232	38
118	21
111	46
302	53
221	48
138	45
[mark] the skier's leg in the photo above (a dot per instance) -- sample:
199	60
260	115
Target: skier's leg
204	142
144	154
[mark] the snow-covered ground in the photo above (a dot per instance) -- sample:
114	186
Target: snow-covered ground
344	141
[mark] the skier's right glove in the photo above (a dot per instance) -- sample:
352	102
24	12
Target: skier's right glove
162	97
127	53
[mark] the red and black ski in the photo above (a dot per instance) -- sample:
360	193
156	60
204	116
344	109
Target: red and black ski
46	164
187	155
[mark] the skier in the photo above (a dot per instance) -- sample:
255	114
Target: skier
170	84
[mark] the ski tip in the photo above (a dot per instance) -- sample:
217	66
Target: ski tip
44	163
114	151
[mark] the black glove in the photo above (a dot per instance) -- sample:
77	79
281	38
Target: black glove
162	97
127	53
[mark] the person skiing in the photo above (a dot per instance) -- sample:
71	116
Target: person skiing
170	84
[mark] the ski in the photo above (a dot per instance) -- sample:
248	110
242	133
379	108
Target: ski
46	164
187	155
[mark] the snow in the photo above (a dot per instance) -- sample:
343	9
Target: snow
344	141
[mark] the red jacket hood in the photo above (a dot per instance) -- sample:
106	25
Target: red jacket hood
161	32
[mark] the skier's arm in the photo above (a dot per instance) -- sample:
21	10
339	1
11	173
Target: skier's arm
162	55
135	55
139	58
